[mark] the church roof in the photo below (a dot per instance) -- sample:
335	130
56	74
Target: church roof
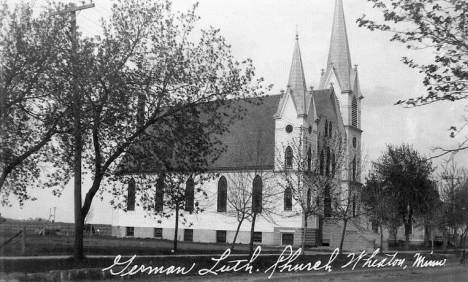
339	58
323	102
250	141
297	87
296	83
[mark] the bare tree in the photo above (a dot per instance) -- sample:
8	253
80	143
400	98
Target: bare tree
453	190
312	175
347	200
252	194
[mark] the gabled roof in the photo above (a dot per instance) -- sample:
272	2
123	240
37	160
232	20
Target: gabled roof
324	107
297	87
249	142
326	104
339	58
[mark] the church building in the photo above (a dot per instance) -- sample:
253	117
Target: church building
262	145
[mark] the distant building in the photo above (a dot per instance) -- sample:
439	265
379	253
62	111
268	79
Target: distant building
260	139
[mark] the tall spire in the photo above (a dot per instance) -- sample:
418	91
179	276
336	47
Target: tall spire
339	57
297	88
296	83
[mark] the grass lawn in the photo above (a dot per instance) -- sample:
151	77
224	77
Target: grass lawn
39	245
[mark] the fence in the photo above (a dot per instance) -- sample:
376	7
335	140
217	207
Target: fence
59	228
22	232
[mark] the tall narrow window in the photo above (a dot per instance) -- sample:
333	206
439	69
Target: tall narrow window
333	164
354	110
322	162
289	157
327	202
354	169
159	197
131	195
189	195
330	129
326	128
327	167
354	205
257	194
288	199
222	194
309	198
309	159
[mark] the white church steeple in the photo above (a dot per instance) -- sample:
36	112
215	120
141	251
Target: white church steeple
339	57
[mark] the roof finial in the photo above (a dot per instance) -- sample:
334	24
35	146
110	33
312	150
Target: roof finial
355	66
297	33
323	72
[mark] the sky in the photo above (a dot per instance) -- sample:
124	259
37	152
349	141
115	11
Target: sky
264	30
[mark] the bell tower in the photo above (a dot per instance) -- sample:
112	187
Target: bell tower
343	77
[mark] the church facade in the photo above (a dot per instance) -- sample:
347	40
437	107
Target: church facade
262	145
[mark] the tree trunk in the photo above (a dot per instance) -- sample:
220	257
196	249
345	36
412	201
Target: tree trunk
444	234
235	235
381	238
304	234
345	223
176	227
407	233
426	235
432	241
79	226
252	230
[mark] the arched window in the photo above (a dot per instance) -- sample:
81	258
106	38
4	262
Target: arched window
159	197
309	159
354	121
189	194
327	202
288	199
131	195
330	129
289	157
326	128
354	205
309	199
257	194
322	162
354	169
327	167
333	164
222	194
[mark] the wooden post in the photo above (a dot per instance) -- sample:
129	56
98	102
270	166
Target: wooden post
77	142
23	241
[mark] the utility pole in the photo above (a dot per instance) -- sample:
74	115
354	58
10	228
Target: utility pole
2	93
79	221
